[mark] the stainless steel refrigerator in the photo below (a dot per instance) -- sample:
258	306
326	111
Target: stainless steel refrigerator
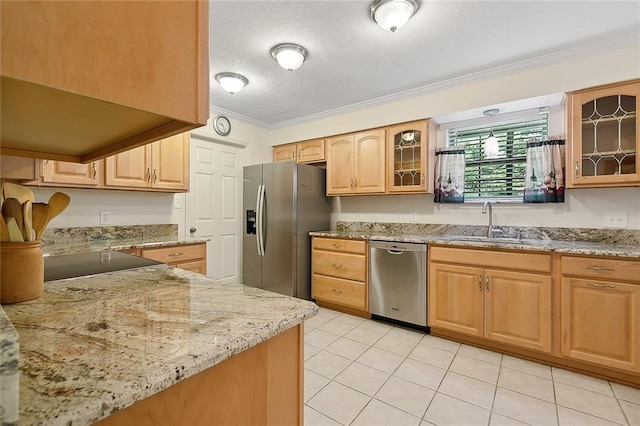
282	202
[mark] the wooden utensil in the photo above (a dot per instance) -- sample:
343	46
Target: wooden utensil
15	235
13	208
57	203
44	213
40	218
4	232
19	192
27	210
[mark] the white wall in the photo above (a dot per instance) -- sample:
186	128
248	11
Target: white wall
582	208
140	208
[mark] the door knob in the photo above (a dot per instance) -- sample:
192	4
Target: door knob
192	230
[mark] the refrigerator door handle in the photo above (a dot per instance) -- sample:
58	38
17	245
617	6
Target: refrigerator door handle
260	220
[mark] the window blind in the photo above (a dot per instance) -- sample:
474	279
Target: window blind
501	177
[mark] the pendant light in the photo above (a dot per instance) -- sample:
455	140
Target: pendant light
491	147
289	56
393	14
231	82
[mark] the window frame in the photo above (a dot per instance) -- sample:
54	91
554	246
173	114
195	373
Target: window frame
505	127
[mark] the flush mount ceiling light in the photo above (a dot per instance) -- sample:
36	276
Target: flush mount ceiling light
231	81
289	56
491	147
393	14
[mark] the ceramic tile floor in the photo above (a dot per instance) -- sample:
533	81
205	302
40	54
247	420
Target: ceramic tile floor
364	372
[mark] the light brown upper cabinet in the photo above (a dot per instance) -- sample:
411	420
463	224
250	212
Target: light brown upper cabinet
284	152
83	80
604	136
356	163
67	174
409	157
308	152
162	165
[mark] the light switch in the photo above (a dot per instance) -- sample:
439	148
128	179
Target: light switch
105	217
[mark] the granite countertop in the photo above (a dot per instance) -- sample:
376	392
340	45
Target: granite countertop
93	345
528	244
70	247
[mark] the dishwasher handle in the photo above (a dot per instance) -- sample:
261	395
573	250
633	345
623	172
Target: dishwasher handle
392	251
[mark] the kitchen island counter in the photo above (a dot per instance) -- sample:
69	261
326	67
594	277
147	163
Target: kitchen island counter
92	346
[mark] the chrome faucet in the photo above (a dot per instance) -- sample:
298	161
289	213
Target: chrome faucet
484	211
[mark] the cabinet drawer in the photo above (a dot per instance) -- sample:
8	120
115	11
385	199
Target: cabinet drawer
342	265
178	253
340	291
609	269
492	259
334	244
199	266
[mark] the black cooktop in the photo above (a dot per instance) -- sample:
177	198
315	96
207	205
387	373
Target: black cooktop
81	264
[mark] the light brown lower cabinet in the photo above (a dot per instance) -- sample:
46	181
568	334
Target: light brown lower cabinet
577	312
600	316
260	386
191	257
507	306
339	275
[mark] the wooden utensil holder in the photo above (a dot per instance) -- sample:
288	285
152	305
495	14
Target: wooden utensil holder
21	271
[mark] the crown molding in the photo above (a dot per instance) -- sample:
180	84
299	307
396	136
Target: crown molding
626	38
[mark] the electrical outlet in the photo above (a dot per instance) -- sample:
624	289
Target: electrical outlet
177	202
615	219
105	217
413	216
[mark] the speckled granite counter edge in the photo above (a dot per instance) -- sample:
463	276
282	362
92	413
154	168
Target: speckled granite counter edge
558	246
9	373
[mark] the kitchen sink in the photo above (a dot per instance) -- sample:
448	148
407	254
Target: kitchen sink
482	239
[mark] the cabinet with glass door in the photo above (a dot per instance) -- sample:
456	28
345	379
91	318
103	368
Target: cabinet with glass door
408	157
603	131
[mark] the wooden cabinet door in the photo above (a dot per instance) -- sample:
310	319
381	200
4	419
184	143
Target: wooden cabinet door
455	298
310	151
517	309
604	134
284	153
340	165
600	322
407	157
170	163
62	172
369	162
130	168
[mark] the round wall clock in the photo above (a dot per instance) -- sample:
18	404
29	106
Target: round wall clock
222	125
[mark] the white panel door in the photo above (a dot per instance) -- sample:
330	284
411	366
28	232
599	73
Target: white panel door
214	205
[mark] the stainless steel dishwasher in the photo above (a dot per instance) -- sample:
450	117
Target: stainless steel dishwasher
398	281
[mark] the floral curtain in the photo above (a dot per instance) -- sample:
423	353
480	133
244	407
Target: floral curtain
449	175
544	179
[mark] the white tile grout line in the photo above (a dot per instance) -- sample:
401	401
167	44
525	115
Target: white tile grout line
447	370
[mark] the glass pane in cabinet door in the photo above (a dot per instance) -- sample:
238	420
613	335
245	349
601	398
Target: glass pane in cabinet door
406	158
609	136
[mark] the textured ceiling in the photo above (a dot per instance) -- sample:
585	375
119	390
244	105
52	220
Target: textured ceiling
352	60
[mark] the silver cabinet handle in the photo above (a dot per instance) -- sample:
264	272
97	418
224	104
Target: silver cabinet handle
601	285
601	268
94	171
148	175
480	282
155	176
337	265
355	182
336	291
336	245
577	170
175	254
487	282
